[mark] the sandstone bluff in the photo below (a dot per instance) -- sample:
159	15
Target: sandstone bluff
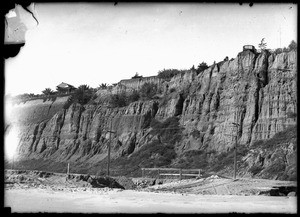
255	91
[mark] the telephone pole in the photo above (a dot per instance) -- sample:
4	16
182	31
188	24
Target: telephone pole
109	147
235	150
235	161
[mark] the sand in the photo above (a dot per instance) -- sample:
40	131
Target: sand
85	200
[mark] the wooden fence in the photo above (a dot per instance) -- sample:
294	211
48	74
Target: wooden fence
180	172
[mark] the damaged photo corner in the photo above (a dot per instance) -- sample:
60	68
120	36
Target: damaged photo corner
19	18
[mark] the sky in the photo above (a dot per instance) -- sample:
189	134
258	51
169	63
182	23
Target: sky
94	43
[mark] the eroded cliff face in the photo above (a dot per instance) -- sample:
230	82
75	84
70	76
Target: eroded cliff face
248	99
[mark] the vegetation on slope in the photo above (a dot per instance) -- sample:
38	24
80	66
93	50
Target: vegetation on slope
158	153
147	92
161	153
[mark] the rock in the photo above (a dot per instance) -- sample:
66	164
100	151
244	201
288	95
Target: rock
292	194
159	182
125	182
90	180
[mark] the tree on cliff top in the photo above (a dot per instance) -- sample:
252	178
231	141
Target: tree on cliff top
84	87
102	86
169	73
82	95
293	45
262	45
47	92
137	76
201	67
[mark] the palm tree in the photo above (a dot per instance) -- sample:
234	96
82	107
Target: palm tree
47	92
83	88
102	86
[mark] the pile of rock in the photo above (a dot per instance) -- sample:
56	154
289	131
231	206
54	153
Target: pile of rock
143	182
127	183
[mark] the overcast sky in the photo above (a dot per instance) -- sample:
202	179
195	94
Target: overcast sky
93	43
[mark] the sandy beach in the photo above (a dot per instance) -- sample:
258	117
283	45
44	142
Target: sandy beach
132	201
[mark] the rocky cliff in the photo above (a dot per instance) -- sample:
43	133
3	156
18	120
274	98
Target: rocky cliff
245	100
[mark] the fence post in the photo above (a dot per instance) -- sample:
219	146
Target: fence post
199	173
68	171
180	173
143	172
158	173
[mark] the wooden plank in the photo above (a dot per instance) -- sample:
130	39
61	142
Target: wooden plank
167	169
170	174
160	168
150	168
177	174
189	170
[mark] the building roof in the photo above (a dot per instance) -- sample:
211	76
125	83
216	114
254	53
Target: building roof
248	46
64	85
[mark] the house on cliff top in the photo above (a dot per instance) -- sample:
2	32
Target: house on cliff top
249	47
65	88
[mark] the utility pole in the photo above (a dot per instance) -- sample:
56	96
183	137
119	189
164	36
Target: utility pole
109	147
68	169
235	161
235	151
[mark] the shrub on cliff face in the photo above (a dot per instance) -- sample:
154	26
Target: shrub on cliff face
255	169
118	100
169	73
121	99
134	96
280	138
168	131
148	90
192	159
